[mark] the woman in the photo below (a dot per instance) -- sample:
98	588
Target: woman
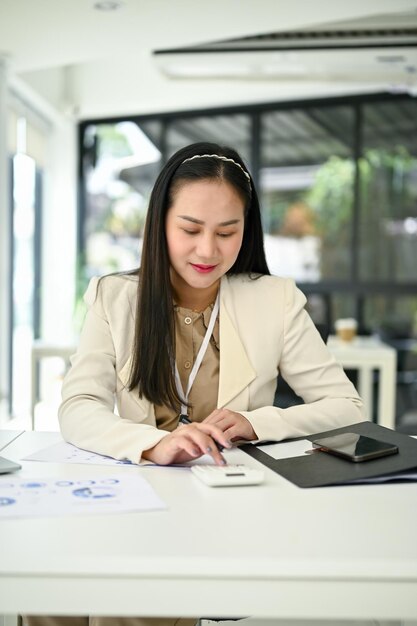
190	345
202	241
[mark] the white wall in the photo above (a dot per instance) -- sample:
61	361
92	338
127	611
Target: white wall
59	234
142	89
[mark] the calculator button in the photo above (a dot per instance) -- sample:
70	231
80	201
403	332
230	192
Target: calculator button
230	475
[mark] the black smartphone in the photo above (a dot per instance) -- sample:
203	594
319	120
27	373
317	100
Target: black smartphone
355	447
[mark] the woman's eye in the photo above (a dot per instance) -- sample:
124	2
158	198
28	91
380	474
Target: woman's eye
224	235
190	232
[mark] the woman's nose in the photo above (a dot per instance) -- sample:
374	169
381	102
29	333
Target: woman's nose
206	247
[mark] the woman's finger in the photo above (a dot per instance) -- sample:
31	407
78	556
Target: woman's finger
198	438
215	433
213	417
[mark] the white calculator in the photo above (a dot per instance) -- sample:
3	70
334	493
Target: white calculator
227	475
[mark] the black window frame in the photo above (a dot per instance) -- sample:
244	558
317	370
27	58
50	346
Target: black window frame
357	289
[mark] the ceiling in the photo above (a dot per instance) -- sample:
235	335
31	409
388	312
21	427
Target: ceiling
85	62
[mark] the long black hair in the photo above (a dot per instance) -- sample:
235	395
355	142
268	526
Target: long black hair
154	343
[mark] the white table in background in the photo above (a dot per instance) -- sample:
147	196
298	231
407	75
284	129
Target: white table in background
367	354
270	551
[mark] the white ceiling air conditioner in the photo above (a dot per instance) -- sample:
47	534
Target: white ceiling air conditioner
382	48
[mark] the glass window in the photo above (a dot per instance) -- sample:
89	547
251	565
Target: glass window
388	211
394	320
333	224
307	182
392	316
121	163
343	305
232	130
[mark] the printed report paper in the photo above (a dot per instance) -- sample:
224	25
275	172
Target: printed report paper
52	497
64	452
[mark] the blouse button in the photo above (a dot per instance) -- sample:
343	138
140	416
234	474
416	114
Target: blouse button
187	365
188	320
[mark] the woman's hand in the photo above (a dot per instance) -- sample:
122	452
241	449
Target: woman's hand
188	442
233	425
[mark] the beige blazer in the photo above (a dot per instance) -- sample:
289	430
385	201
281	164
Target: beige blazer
263	329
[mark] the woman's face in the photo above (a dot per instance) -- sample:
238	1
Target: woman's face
204	230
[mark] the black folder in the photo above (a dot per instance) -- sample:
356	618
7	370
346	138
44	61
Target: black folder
321	469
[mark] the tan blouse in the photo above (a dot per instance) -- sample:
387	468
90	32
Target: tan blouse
190	328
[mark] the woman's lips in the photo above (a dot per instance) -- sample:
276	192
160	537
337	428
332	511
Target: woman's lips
203	269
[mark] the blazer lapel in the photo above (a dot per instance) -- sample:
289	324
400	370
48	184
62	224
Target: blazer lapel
236	371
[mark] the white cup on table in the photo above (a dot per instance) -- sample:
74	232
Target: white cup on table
346	328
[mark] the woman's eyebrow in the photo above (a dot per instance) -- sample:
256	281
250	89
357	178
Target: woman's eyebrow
196	221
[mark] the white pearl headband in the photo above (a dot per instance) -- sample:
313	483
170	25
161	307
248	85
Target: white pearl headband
222	158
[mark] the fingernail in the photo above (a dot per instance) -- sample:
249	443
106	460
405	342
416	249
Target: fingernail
224	461
208	449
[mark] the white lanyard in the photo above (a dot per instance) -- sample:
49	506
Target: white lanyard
200	355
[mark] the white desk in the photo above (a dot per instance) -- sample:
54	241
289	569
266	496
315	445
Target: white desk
269	551
7	436
366	354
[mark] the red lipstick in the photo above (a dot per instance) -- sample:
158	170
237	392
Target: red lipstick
203	269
